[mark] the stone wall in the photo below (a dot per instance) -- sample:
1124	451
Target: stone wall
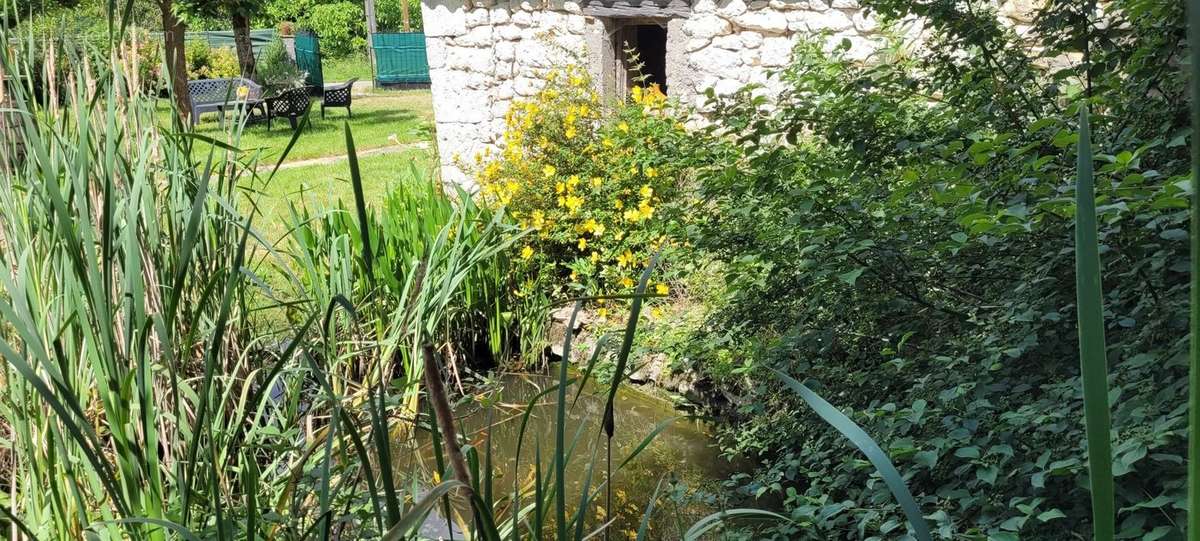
484	54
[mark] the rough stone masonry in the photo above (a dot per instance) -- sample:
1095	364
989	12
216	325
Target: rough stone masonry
483	54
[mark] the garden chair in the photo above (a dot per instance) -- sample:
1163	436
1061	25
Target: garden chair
290	103
338	95
217	95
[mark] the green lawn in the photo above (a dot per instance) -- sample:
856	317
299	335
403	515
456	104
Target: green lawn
408	115
321	186
336	70
377	116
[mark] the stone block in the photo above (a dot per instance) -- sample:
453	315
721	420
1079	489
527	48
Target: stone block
454	102
751	39
522	18
576	24
775	51
833	20
435	52
727	87
477	16
527	86
695	44
718	61
704	6
731	8
480	36
531	53
508	32
750	57
792	5
766	21
468	58
504	91
444	19
706	26
499	15
732	42
505	51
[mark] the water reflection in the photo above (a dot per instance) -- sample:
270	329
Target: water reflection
682	456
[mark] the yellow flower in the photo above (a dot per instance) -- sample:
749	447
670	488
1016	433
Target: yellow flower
602	313
539	219
619	204
626	282
607	142
595	256
597	182
623	127
526	252
656	313
646	192
574	276
651	172
560	187
570	133
636	94
572	182
662	289
549	171
573	202
625	259
582	243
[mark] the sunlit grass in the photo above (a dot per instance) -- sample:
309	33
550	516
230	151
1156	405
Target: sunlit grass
406	115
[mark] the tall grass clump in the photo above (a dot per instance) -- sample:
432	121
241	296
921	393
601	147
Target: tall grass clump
138	400
123	301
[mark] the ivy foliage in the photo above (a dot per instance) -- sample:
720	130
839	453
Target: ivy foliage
900	236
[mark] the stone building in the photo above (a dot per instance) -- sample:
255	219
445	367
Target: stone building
485	53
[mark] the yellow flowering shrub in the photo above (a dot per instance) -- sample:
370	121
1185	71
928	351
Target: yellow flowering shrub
592	180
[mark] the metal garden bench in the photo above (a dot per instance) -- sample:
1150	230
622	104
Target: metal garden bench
216	95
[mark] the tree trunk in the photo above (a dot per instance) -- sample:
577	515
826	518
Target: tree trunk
176	59
241	38
404	18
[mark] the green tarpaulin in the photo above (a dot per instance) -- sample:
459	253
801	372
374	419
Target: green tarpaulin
400	58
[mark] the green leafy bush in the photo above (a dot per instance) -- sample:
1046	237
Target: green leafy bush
390	18
913	256
206	62
339	25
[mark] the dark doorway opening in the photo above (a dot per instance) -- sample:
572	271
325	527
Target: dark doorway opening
649	41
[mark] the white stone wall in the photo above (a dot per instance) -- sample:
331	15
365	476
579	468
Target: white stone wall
484	54
481	57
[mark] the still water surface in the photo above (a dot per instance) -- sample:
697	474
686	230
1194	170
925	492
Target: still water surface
683	455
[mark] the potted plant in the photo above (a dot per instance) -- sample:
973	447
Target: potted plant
287	34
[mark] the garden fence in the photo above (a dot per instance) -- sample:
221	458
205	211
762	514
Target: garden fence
400	58
259	39
308	58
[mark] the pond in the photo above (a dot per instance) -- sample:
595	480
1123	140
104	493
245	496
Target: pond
683	456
